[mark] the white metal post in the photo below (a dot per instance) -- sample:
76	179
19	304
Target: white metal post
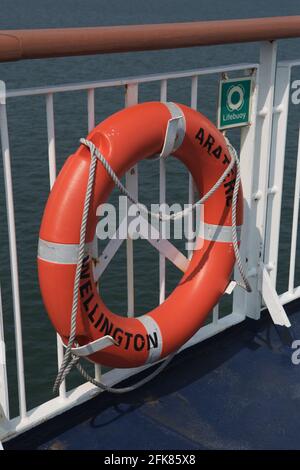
91	109
194	102
279	131
51	138
131	98
91	125
215	314
266	79
247	157
12	250
52	177
162	200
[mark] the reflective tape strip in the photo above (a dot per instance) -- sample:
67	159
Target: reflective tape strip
175	130
60	253
155	338
218	233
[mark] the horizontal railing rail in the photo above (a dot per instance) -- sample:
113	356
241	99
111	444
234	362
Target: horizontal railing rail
45	43
129	80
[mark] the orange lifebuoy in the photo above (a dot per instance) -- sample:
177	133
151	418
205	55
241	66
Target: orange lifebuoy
124	138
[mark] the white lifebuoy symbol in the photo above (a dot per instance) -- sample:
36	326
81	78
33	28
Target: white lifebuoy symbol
237	105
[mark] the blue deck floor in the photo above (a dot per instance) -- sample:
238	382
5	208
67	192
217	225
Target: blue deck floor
238	390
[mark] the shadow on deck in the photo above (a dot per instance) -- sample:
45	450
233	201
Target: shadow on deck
238	390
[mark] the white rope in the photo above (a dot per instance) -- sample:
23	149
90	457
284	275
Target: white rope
70	359
64	369
157	215
245	285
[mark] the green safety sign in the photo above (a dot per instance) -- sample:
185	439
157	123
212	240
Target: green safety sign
234	108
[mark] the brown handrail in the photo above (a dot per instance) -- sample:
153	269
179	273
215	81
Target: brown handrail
43	43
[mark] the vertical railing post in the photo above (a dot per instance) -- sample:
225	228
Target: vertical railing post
247	157
131	98
91	109
194	103
263	136
51	138
12	250
52	178
162	200
91	125
279	131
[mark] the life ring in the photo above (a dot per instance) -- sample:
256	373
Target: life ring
124	139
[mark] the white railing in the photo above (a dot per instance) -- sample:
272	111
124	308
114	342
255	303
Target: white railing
275	192
262	146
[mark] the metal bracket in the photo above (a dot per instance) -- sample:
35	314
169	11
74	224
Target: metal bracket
175	130
170	137
93	347
230	287
271	299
